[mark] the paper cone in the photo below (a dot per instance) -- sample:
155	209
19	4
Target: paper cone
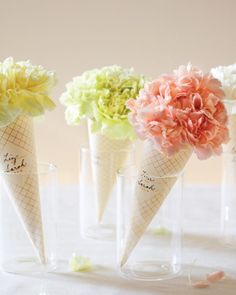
230	147
17	152
150	192
107	156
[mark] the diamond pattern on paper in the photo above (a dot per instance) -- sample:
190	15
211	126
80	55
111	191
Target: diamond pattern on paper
150	192
17	156
107	156
230	147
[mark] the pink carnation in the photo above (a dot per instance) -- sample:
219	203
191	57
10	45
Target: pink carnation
183	108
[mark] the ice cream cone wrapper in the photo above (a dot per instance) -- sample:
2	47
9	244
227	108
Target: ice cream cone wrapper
107	156
230	147
19	173
156	177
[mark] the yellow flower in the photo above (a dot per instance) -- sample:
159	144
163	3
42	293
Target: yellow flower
24	90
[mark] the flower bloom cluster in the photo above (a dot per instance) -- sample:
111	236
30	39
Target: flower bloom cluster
24	90
184	108
227	77
101	95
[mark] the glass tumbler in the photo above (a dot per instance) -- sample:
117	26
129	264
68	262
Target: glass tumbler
97	191
228	199
154	250
228	185
27	231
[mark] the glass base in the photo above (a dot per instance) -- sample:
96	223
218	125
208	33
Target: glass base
229	241
150	271
27	265
100	232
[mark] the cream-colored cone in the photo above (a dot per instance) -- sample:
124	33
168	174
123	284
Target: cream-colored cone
17	152
150	192
107	156
230	147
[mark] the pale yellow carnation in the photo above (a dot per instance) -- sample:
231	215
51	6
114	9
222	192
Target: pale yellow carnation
24	90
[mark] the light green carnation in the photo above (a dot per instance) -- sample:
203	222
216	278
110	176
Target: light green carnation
101	95
161	231
79	263
24	90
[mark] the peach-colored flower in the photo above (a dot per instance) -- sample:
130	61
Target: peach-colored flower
216	276
183	108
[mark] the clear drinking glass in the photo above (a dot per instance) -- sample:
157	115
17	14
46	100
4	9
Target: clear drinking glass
157	255
228	199
18	254
98	183
228	185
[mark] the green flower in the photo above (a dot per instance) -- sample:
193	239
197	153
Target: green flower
23	90
101	95
80	263
161	231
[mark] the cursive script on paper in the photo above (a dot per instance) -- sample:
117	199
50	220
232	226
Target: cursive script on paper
14	163
146	182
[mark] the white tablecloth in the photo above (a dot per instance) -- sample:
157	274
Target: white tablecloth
202	253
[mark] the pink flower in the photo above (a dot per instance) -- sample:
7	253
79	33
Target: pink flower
181	109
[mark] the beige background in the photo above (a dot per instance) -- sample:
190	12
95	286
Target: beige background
153	36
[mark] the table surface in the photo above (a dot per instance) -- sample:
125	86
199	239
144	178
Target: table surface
203	252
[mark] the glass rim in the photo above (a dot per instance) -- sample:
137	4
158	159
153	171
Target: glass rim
50	169
87	149
124	172
230	101
228	153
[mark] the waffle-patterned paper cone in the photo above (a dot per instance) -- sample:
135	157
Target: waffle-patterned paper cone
230	147
150	192
17	151
107	156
